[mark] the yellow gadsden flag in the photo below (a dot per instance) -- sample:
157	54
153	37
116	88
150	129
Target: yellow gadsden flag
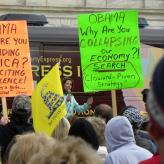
48	106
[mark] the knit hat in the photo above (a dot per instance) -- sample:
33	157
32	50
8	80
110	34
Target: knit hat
156	98
133	116
83	128
21	102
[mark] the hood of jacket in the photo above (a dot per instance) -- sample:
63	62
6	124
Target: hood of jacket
118	133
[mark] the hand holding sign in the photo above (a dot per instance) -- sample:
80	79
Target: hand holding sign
4	120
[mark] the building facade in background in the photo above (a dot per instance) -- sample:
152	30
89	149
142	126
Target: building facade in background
63	13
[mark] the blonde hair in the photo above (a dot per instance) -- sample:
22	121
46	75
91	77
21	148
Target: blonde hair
69	151
26	145
99	127
62	129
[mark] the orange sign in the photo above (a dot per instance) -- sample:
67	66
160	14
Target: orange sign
15	63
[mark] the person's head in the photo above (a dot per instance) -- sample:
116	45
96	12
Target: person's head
84	129
69	151
118	132
67	84
104	111
62	129
133	115
21	108
99	126
80	148
26	145
144	94
155	102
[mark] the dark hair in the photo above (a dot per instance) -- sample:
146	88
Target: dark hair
144	95
84	129
64	81
5	152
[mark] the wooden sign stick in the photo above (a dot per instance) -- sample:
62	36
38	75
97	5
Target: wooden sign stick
114	104
4	107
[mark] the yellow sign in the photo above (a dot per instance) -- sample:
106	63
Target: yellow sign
15	63
48	106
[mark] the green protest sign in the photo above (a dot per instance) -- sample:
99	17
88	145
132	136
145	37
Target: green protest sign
110	50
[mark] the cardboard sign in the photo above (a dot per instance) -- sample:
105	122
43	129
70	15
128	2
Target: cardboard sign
110	50
48	105
15	63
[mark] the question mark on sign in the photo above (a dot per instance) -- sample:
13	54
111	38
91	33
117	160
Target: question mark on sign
136	52
25	59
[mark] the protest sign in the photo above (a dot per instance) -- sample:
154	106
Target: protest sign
48	106
110	50
15	63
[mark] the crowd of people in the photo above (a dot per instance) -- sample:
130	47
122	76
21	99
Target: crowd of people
103	138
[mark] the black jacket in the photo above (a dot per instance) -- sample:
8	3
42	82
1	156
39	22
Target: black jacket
17	125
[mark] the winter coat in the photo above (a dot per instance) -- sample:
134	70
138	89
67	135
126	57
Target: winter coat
121	144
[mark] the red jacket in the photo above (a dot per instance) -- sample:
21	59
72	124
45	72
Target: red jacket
154	160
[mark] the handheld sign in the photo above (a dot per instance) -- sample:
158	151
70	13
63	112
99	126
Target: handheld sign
110	50
15	63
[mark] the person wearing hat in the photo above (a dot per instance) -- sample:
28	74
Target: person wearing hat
18	123
155	107
142	137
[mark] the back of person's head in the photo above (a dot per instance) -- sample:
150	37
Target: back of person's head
99	126
156	101
104	111
133	115
81	150
62	129
69	151
26	145
118	133
21	108
144	94
135	118
84	129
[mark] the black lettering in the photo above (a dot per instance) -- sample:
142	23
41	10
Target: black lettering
92	58
92	18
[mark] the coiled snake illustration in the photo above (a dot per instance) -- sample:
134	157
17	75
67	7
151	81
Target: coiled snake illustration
52	100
